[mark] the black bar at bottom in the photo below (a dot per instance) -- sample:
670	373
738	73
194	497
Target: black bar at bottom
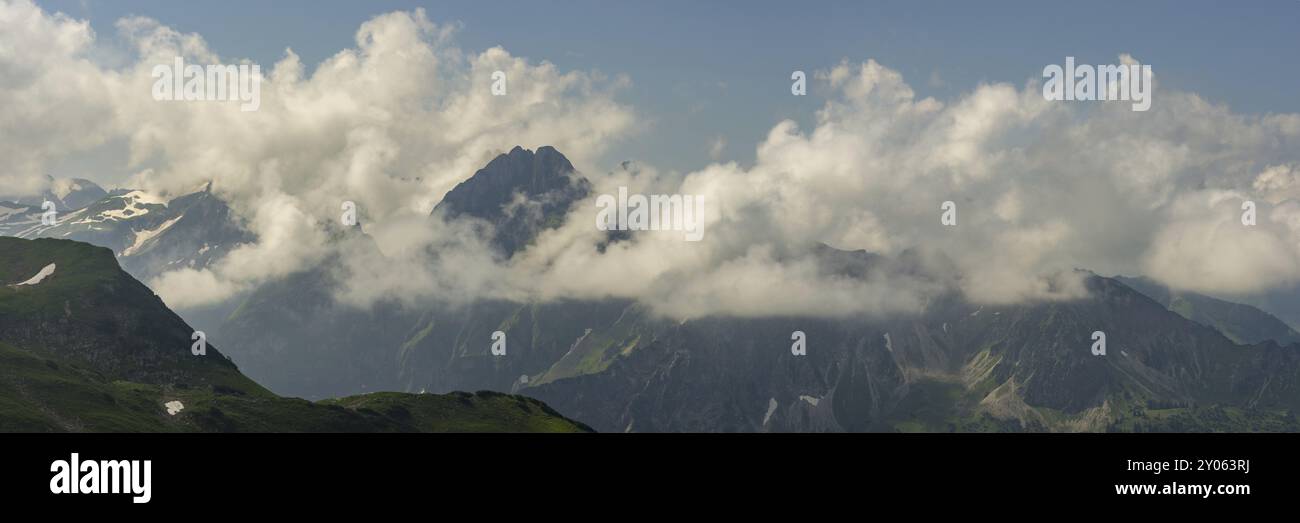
745	472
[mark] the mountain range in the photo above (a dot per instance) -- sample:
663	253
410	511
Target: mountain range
1176	361
149	234
67	194
616	366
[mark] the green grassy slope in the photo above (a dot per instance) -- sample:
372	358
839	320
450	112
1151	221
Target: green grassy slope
91	349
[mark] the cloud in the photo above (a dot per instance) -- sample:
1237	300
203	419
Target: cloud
717	147
1278	183
1204	246
187	287
1041	188
390	124
44	65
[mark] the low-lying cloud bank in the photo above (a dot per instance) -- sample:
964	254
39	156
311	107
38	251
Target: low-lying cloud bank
1040	187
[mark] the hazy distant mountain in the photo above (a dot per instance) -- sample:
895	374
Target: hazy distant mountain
86	347
66	194
291	335
150	235
1283	303
1241	323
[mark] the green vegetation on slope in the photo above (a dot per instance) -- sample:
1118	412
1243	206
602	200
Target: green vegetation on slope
40	394
91	349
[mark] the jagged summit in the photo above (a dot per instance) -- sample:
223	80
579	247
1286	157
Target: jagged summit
518	194
520	170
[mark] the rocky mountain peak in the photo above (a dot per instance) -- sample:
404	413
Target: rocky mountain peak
517	194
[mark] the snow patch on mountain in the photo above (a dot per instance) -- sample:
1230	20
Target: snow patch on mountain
145	198
135	205
144	236
40	276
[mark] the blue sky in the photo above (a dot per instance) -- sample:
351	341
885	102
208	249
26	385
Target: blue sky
704	69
